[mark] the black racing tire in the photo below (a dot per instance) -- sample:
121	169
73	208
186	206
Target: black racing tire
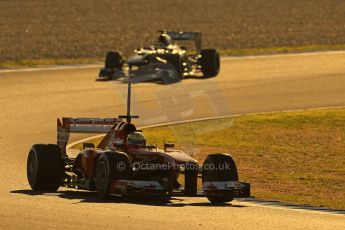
113	60
45	167
221	199
176	61
111	166
246	190
210	62
191	183
214	169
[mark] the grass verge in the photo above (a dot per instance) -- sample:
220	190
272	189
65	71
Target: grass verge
296	157
230	52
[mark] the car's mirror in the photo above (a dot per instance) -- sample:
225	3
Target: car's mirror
168	145
88	145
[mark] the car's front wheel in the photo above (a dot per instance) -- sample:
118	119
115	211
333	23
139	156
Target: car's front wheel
176	61
191	179
111	166
113	60
219	167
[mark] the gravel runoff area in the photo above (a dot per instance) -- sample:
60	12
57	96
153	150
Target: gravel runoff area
36	29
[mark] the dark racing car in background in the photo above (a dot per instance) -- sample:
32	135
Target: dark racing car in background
166	61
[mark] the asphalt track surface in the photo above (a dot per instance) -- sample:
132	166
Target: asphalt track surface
32	100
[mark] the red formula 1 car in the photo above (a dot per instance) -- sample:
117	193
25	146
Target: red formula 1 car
123	164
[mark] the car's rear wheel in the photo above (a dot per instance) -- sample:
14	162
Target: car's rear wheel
113	60
45	167
219	167
111	166
210	62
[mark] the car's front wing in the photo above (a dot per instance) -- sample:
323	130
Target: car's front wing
142	188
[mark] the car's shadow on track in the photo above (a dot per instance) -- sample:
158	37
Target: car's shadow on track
92	197
159	82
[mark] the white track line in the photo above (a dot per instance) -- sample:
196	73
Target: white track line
210	118
312	53
53	68
292	207
99	64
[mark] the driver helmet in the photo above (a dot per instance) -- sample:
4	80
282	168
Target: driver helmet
136	139
165	39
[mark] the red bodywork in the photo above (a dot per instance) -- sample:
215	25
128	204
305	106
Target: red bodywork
116	139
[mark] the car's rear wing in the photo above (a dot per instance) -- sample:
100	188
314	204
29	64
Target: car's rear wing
66	125
185	36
